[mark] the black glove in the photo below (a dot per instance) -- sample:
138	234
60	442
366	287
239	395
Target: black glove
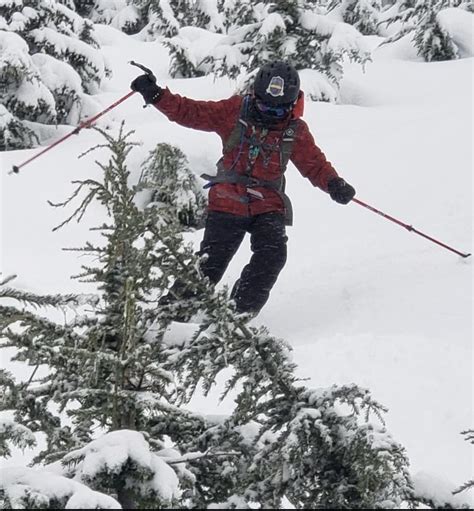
146	86
340	191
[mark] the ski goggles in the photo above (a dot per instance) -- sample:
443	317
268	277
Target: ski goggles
275	111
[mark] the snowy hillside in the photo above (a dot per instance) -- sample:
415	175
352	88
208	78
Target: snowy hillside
360	300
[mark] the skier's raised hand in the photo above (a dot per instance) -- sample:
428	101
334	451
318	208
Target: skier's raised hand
146	86
340	191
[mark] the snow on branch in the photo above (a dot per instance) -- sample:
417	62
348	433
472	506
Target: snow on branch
28	488
13	433
198	456
102	460
437	492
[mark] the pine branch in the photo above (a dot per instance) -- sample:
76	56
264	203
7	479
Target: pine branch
26	384
8	279
466	486
80	211
88	248
37	301
10	315
95	148
76	192
469	434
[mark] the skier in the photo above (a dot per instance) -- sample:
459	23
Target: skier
260	133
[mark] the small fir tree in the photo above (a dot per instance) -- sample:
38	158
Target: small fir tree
183	62
83	7
117	13
433	42
364	15
238	13
420	19
123	383
166	17
170	183
159	17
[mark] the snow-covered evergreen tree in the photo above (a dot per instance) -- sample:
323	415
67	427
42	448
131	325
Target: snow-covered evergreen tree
238	12
168	181
169	18
420	18
23	95
208	15
292	30
120	14
434	43
166	17
118	378
49	62
362	14
159	16
54	29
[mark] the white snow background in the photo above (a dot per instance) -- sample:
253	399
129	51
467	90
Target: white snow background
360	300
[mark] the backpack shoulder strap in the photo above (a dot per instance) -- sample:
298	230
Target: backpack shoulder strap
287	141
235	137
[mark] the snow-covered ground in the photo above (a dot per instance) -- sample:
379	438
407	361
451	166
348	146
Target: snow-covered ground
361	299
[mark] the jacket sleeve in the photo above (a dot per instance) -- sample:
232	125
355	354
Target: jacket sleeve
198	115
310	160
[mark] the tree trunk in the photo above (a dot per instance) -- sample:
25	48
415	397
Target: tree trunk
125	497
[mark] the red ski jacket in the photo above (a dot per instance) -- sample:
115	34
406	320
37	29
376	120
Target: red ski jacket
221	117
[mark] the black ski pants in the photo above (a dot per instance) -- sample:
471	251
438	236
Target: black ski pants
223	235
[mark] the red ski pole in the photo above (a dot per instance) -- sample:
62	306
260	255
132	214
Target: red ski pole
85	124
408	227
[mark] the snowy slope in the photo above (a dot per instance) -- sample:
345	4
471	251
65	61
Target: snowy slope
361	300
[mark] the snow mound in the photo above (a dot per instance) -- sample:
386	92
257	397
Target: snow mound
43	489
438	490
316	85
403	49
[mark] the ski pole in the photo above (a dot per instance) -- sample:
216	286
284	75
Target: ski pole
85	124
409	227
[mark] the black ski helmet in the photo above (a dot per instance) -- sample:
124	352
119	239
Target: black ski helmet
277	83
